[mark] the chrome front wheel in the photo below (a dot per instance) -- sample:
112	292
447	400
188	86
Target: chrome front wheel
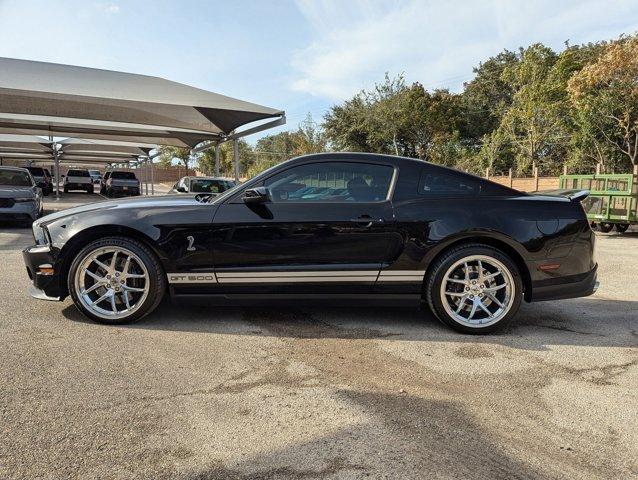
116	280
112	282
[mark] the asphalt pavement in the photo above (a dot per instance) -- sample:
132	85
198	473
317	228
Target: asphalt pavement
321	393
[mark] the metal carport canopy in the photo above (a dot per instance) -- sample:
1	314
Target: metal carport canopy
62	100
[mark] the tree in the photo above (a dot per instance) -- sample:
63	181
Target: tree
226	159
534	124
605	95
169	154
488	96
394	118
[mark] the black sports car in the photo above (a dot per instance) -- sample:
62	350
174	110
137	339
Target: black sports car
338	227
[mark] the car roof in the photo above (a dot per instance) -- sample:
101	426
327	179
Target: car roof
208	178
17	169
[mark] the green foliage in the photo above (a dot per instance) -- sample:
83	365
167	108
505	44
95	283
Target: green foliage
535	106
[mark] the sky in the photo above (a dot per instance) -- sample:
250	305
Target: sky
300	56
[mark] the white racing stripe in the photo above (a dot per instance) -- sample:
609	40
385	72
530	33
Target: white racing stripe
319	276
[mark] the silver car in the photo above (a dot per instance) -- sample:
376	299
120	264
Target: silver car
212	185
20	197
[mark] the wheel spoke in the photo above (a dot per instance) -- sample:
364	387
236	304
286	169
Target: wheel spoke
127	263
101	264
494	289
495	300
454	280
484	308
135	275
113	260
132	289
480	272
455	294
492	275
113	306
95	286
467	272
102	298
126	300
93	275
473	311
461	304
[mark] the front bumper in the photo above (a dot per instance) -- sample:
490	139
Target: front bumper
48	287
572	286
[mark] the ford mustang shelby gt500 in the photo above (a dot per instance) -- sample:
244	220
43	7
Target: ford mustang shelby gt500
344	227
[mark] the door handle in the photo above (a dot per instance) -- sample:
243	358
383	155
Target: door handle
366	220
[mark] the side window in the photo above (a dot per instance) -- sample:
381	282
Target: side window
331	182
438	183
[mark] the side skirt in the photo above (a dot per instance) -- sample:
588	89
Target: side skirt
363	300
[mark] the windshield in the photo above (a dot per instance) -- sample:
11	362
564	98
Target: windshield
15	178
123	175
210	185
78	173
95	173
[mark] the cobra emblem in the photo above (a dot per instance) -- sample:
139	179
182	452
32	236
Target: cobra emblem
191	241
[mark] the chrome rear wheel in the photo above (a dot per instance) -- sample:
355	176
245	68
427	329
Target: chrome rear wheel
477	291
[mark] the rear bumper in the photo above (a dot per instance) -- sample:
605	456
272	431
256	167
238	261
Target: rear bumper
78	186
573	286
48	287
124	190
20	211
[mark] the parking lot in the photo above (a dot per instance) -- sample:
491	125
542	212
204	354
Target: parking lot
299	393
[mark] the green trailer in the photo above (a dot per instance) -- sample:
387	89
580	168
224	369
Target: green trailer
612	201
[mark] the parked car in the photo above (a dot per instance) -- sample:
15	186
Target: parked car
20	197
42	179
78	180
381	230
120	183
212	185
96	177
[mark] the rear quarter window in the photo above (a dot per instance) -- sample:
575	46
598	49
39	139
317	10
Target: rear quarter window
436	183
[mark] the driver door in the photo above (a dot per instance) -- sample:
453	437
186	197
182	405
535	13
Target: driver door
326	227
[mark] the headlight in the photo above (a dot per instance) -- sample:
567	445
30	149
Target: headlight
40	235
24	199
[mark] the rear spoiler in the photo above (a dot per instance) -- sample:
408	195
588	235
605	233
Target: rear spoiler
573	195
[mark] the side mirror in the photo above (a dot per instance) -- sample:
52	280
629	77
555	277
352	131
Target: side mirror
181	189
256	195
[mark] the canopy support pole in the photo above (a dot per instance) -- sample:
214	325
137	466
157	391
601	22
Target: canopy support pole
217	160
146	176
236	158
56	167
152	175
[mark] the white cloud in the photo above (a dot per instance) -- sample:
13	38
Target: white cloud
437	43
110	8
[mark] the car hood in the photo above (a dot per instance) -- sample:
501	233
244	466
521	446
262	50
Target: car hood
12	191
122	204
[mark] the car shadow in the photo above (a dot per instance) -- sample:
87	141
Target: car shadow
588	321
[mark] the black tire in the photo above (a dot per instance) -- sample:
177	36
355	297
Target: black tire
89	190
157	278
605	227
437	271
622	227
66	189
